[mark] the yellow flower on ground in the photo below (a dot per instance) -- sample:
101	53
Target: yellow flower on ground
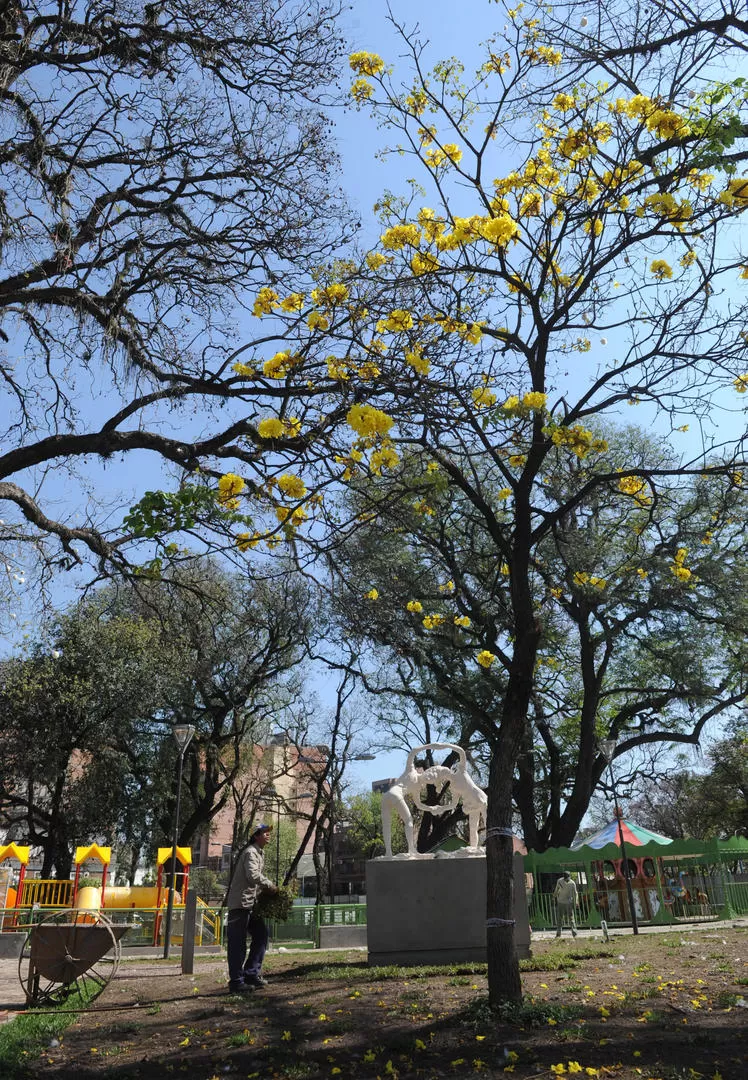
368	421
366	63
575	1067
373	594
485	658
559	1069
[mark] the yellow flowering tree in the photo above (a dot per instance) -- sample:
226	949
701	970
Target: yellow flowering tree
557	260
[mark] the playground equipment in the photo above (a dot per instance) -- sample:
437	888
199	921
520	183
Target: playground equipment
141	907
11	898
69	952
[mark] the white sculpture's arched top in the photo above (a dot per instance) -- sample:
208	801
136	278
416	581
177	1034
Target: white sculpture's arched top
463	789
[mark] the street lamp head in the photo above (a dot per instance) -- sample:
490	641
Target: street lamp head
607	748
182	734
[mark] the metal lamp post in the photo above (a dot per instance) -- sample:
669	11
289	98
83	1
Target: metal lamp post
182	735
608	749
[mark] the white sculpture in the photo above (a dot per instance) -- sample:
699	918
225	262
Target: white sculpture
462	788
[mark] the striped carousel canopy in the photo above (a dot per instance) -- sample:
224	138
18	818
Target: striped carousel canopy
633	835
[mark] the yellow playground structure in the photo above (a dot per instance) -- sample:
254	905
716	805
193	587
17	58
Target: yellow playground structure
141	906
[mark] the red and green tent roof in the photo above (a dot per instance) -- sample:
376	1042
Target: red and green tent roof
633	835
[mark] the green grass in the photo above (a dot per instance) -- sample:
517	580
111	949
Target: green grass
23	1037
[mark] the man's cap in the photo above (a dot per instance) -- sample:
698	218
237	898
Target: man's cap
567	873
262	828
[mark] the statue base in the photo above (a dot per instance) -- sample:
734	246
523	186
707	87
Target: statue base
432	910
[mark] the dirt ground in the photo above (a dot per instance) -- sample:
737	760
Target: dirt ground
665	1007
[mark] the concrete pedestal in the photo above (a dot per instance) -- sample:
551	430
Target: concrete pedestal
432	910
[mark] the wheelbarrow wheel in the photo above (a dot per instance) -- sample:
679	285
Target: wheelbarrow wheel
69	957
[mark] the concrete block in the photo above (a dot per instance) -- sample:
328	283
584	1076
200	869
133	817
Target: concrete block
433	910
341	937
11	945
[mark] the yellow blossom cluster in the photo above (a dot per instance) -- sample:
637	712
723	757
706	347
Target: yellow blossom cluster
432	622
384	457
415	606
661	269
272	427
289	518
437	156
265	301
229	486
280	365
372	594
344	370
399	236
368	421
485	658
483	398
532	401
583	579
396	322
246	371
418	361
330	295
292	486
361	90
637	488
579	440
678	567
366	63
741	383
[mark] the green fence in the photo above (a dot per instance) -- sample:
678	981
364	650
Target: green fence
303	925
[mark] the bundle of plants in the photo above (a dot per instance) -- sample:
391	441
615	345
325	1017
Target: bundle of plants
276	906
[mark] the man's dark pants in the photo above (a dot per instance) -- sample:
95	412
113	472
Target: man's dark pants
242	922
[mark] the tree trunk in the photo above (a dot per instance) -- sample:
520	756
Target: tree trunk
504	982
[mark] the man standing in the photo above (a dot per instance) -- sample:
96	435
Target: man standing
245	970
565	895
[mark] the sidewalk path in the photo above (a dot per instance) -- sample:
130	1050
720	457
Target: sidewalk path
12	996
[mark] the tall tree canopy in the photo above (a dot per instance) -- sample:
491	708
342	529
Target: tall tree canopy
156	159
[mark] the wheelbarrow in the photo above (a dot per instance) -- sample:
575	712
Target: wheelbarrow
69	956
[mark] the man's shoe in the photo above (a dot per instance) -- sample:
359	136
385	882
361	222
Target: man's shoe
254	981
240	987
